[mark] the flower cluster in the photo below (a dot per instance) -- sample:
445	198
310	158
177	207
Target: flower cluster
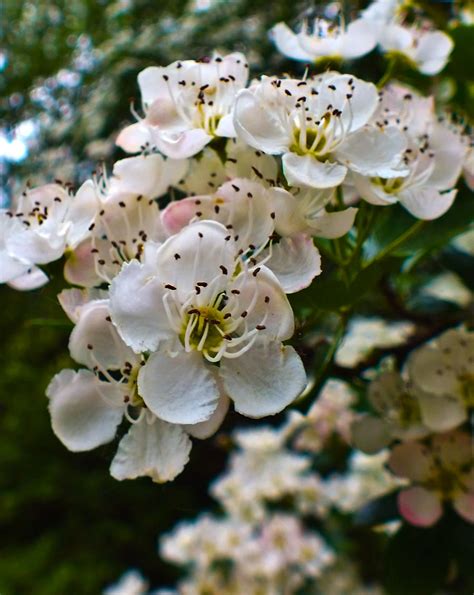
184	255
383	23
421	412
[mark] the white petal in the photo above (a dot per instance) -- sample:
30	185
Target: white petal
73	300
37	247
372	151
226	127
157	450
136	307
427	202
441	413
184	144
133	138
264	380
432	51
148	175
204	429
295	261
33	278
308	171
79	268
85	412
288	44
196	255
358	40
81	213
152	84
179	389
332	225
256	125
94	340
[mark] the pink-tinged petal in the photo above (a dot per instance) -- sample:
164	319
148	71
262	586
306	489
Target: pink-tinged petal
264	380
427	202
308	171
464	506
179	389
412	460
205	429
295	261
133	138
79	268
419	506
85	412
73	300
33	278
179	213
151	448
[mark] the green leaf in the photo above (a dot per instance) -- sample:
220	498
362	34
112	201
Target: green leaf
416	561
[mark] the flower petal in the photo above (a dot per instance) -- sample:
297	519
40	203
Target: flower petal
133	138
295	261
441	412
464	505
370	434
419	506
85	412
307	171
332	225
33	278
158	450
412	460
288	44
257	126
179	389
427	202
207	428
136	307
264	380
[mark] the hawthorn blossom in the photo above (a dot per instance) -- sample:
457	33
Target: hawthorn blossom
192	304
320	127
427	50
443	374
323	39
40	226
127	218
441	471
434	157
397	414
262	470
246	208
87	406
186	105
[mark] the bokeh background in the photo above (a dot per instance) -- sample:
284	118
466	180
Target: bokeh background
67	76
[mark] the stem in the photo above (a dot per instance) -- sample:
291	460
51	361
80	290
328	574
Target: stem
388	73
409	233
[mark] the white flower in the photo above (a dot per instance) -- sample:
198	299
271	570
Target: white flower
434	157
319	126
128	217
246	208
130	583
443	371
186	105
192	305
427	50
442	471
42	224
87	406
366	334
323	39
397	411
262	470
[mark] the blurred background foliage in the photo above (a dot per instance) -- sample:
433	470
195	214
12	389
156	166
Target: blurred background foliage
68	74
